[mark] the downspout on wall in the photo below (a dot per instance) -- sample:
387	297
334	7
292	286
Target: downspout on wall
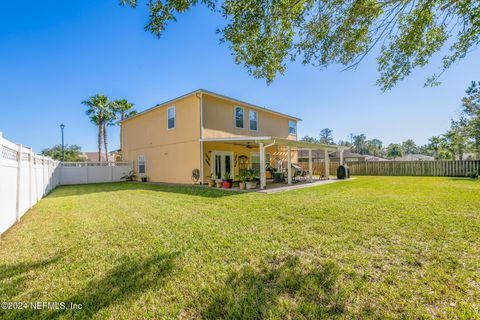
202	176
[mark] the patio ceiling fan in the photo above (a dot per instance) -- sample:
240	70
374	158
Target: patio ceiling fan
248	146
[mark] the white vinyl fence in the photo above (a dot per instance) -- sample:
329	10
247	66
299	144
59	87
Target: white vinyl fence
26	177
93	172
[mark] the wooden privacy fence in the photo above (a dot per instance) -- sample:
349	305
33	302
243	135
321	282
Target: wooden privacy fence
440	168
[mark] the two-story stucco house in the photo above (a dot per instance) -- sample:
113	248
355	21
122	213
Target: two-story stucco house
212	133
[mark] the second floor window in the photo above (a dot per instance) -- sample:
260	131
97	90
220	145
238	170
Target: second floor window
239	117
253	116
171	118
292	127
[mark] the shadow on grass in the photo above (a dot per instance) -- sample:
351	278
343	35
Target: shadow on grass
282	290
129	279
464	179
14	277
192	190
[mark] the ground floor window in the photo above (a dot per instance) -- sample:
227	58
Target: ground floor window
141	164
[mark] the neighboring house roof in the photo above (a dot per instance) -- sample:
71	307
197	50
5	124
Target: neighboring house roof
93	156
213	94
415	157
468	156
316	154
375	158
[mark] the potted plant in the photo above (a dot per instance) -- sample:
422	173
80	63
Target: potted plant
227	181
211	181
243	179
218	182
131	176
251	182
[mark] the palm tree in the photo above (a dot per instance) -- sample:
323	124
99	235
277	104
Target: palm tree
98	106
124	110
109	120
394	150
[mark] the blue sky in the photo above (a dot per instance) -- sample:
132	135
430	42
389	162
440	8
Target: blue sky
54	54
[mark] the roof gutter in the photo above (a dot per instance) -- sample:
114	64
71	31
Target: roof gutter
201	135
270	145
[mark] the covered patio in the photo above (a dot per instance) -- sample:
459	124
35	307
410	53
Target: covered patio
272	151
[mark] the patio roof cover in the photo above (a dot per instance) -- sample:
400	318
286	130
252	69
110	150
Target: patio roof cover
268	140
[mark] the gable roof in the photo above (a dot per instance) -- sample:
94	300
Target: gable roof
217	95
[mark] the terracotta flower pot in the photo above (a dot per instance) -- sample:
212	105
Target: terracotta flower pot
243	185
227	184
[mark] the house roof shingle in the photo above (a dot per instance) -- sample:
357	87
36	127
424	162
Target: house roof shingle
214	94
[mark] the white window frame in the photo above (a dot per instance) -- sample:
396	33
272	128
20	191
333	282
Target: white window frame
257	154
174	117
235	117
295	123
144	164
249	124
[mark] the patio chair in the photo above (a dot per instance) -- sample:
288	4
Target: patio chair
296	173
305	174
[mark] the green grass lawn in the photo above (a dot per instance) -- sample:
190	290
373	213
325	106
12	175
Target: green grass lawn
372	247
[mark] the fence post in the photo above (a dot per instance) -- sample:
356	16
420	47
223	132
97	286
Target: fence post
43	175
49	175
59	168
34	176
19	178
30	163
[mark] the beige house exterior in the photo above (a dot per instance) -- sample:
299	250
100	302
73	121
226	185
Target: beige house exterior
212	133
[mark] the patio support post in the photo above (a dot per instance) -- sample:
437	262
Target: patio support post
289	165
310	167
327	165
341	156
263	182
202	175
